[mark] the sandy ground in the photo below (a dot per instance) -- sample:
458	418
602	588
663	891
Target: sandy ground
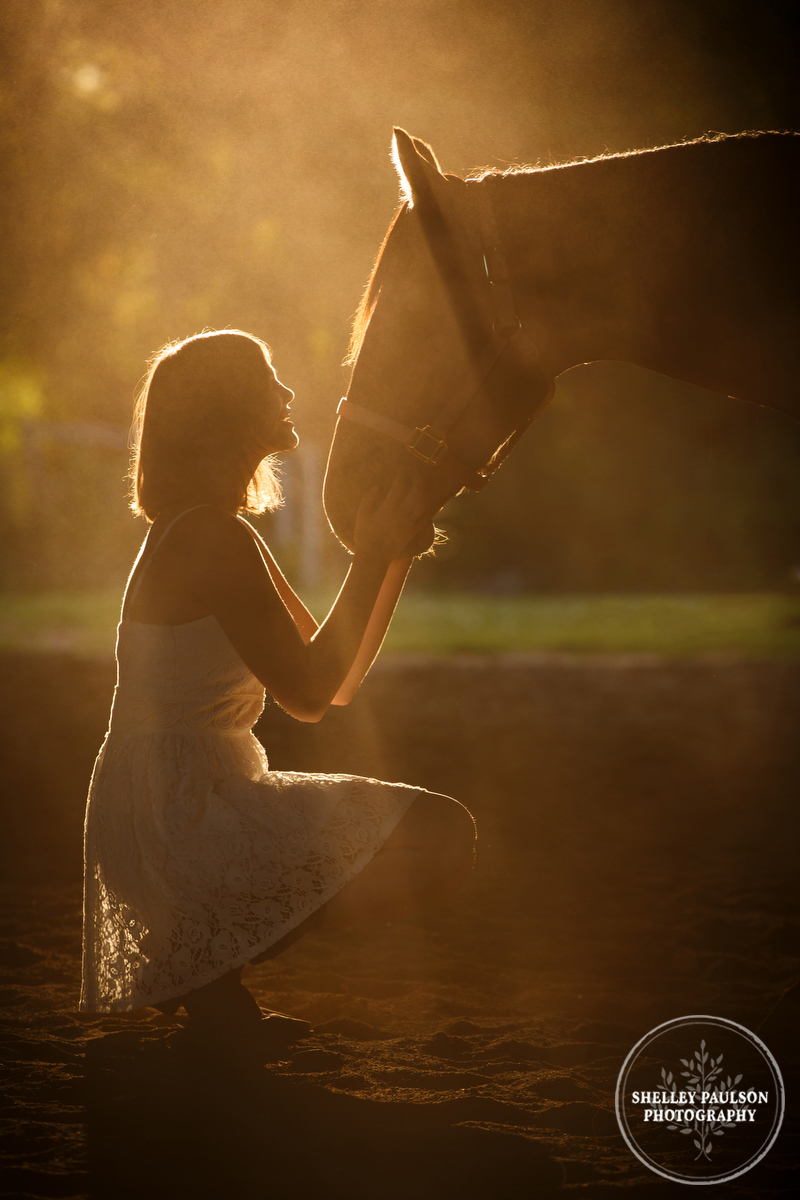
638	849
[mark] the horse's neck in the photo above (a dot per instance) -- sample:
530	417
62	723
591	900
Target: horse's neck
681	260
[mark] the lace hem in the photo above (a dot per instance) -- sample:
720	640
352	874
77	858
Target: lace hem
155	928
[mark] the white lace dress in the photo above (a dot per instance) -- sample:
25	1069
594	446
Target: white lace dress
197	857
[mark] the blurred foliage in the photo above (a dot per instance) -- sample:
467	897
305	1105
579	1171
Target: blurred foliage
167	168
20	404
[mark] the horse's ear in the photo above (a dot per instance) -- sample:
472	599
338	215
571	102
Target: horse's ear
416	165
426	151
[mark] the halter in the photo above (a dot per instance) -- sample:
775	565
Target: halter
506	340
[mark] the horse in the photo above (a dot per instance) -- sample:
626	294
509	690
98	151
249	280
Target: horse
680	259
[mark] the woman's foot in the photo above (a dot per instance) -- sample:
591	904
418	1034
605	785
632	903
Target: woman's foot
223	1003
223	996
225	1008
280	1027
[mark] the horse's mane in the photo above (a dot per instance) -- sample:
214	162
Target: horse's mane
364	310
515	169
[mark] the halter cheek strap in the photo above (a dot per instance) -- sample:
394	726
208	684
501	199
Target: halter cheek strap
422	442
507	339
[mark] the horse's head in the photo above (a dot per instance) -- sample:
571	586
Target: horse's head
444	379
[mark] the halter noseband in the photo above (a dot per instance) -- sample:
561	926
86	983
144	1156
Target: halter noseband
507	339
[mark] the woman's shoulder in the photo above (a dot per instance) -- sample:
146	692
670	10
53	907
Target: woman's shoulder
208	528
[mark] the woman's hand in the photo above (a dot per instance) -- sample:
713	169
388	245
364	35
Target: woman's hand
423	540
389	528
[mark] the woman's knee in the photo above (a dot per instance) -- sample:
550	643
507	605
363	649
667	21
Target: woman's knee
445	826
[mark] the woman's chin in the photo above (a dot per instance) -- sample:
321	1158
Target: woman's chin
286	441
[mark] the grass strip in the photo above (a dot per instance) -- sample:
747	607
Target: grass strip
757	625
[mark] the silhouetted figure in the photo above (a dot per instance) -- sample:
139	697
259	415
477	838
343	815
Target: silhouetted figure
199	859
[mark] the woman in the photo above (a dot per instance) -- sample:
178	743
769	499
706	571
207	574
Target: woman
198	859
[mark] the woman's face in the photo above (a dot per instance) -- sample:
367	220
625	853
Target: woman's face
273	430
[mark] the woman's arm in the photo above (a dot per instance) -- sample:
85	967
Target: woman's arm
232	580
382	613
306	623
377	626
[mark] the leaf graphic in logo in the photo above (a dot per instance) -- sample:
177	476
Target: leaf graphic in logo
698	1088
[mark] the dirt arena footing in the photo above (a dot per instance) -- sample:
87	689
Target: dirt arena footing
637	862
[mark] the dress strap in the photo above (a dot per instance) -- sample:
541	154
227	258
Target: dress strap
144	563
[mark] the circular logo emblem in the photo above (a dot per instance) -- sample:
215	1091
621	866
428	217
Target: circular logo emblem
700	1100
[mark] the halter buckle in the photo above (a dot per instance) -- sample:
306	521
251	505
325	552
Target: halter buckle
413	447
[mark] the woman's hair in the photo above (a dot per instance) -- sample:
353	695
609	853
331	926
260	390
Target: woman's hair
191	423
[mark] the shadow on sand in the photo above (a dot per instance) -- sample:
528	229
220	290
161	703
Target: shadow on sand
163	1123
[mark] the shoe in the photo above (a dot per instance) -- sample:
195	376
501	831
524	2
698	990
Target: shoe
284	1029
260	1041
